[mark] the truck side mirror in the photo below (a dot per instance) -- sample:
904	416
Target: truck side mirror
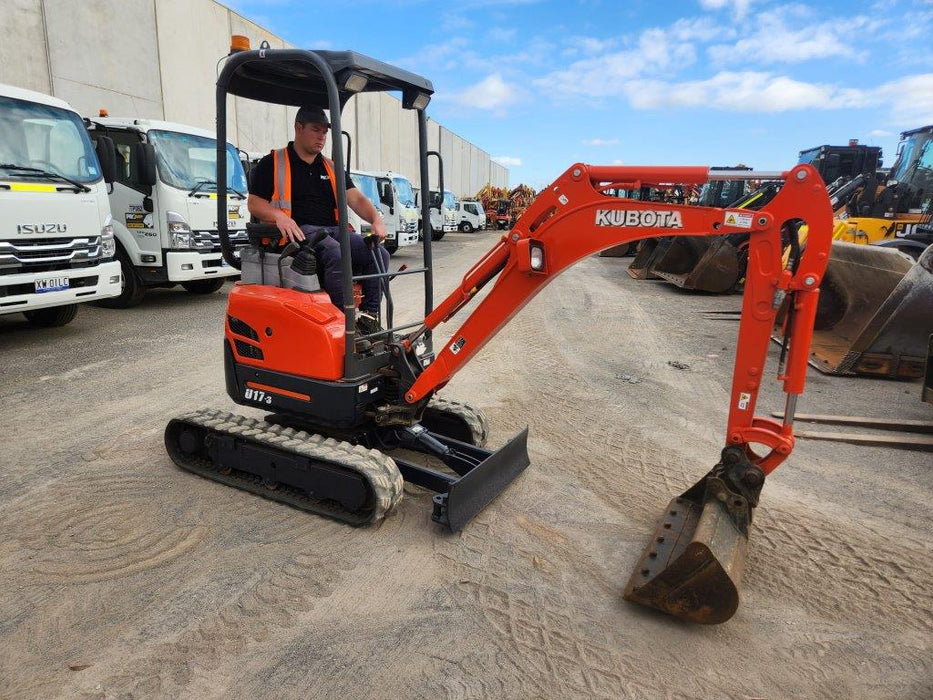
107	155
385	194
143	164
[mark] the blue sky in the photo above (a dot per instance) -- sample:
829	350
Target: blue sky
542	84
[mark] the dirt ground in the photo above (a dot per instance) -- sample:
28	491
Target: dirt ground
123	576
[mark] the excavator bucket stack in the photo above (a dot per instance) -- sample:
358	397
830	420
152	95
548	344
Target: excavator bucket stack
704	263
875	313
649	252
692	567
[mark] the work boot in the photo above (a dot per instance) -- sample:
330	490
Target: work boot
367	323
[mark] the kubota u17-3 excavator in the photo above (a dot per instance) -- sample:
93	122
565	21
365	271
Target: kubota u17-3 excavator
341	407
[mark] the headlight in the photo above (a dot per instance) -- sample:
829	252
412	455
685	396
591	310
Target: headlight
108	245
537	257
179	231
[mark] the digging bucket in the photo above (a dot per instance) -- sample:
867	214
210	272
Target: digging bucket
875	313
650	251
702	263
692	567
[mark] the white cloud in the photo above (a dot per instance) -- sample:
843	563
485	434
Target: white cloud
501	34
742	92
456	23
788	35
491	93
599	142
880	133
508	161
911	100
739	7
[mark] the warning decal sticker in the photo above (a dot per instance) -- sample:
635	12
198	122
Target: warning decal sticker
739	219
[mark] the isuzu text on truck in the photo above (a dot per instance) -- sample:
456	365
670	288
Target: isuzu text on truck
56	238
164	204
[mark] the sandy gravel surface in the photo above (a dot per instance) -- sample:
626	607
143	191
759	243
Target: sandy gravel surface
122	576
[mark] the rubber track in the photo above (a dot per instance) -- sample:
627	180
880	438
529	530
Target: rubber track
473	417
377	469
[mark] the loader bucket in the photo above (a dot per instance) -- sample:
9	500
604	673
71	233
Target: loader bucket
875	313
618	251
703	263
650	251
692	567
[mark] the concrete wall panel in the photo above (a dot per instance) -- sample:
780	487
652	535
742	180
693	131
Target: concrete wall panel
259	126
201	29
409	162
23	31
368	132
390	121
94	67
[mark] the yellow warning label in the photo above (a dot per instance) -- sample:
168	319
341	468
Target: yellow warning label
730	219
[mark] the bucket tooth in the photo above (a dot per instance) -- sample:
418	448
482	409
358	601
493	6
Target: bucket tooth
692	567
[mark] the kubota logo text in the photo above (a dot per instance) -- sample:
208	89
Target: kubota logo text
644	218
41	228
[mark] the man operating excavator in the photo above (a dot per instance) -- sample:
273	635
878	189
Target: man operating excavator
296	189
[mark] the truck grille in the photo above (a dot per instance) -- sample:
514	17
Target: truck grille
409	226
48	254
210	240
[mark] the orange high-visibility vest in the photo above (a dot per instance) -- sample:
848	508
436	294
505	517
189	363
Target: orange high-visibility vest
282	181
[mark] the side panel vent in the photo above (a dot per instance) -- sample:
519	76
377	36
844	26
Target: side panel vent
241	328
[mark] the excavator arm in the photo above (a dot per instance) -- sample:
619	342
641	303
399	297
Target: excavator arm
573	219
692	566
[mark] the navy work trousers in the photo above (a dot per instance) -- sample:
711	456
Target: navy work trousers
327	253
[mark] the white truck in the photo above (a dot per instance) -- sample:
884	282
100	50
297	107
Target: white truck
397	204
470	216
367	184
56	238
164	203
443	214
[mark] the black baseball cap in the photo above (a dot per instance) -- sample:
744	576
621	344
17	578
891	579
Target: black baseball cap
307	115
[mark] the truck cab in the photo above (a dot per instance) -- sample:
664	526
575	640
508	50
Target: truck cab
469	216
368	185
164	205
443	213
397	204
56	236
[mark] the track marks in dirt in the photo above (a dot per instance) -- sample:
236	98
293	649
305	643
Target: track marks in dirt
264	609
108	525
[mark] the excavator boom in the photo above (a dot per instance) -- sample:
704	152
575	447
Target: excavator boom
693	564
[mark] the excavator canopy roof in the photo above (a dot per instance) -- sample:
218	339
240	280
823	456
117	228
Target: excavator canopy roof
290	77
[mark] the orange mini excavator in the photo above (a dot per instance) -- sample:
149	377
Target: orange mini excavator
340	405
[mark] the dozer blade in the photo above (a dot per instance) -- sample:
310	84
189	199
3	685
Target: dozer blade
649	251
480	486
692	567
702	263
875	313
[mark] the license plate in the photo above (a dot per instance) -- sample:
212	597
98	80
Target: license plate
52	284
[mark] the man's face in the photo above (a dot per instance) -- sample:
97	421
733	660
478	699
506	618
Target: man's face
311	136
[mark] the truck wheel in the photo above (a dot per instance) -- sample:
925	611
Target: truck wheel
54	317
204	286
466	227
133	288
391	246
437	235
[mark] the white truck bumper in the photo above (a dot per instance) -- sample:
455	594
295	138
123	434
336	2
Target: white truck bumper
188	266
84	284
407	238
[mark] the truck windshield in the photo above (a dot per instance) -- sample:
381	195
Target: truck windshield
406	195
47	138
915	164
186	161
367	185
807	157
449	200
